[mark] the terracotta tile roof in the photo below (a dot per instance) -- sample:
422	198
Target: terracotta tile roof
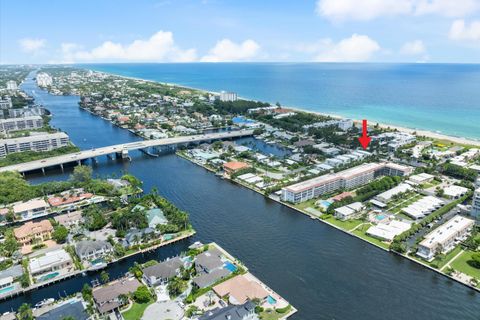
57	201
241	289
31	228
235	165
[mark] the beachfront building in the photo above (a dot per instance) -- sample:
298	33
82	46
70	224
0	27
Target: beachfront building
445	238
30	209
346	179
17	124
52	261
33	232
44	79
476	204
41	142
228	96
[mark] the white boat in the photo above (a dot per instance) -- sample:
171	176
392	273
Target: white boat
44	302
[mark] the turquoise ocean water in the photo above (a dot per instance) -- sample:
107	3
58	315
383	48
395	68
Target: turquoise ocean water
443	98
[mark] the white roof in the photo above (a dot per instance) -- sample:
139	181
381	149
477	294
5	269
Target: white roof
388	230
6	280
455	191
30	205
446	231
49	259
401	188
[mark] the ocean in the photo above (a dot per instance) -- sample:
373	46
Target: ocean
442	98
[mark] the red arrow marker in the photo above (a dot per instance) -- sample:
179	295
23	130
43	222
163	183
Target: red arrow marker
364	139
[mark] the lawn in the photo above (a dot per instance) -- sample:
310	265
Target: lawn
345	225
361	232
136	311
273	314
461	264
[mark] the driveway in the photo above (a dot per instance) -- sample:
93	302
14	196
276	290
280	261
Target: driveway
163	310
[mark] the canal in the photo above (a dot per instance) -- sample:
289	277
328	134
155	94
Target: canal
323	272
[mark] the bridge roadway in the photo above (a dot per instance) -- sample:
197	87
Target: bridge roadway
121	148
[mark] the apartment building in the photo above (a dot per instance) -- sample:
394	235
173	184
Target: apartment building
6	103
41	142
476	204
228	96
17	124
445	238
346	179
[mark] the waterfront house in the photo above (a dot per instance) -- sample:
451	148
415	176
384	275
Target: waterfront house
245	311
210	268
136	236
31	209
92	249
70	219
234	167
155	217
240	289
160	273
32	232
349	211
72	308
52	261
108	298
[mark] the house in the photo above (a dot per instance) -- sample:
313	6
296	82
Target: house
70	219
234	167
108	299
92	249
31	209
454	192
135	236
155	217
32	232
72	308
51	261
161	272
245	311
210	268
240	289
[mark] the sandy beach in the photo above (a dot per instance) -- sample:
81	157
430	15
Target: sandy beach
418	132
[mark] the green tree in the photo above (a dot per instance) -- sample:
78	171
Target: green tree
25	312
86	292
142	294
175	287
104	277
475	261
60	234
81	174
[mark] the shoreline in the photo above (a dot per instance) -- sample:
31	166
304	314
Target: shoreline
419	132
347	232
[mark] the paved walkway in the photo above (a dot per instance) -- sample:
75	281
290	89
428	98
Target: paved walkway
451	260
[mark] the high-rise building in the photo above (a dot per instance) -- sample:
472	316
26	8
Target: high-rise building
12	85
17	124
41	142
5	103
476	204
44	79
228	96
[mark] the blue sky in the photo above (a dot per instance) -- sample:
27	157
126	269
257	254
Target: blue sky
216	31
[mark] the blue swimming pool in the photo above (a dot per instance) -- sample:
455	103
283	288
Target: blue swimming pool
271	300
380	217
49	276
230	266
325	203
6	289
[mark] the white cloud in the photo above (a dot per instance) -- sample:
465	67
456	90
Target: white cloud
363	10
462	31
31	45
357	48
413	48
227	51
160	47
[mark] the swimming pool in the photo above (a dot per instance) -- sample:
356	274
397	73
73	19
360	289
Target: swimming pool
380	217
6	289
271	300
325	203
49	276
230	266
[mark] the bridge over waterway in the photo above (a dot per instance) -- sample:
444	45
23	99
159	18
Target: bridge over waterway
121	150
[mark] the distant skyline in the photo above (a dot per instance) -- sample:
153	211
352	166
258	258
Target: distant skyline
236	31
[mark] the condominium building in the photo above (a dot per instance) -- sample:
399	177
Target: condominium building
6	103
17	124
12	85
41	142
446	237
346	179
228	96
476	204
44	80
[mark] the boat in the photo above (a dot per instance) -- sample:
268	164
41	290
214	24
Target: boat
195	245
44	302
97	266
